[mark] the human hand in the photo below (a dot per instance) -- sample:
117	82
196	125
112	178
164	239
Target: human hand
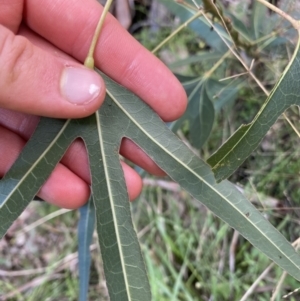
42	43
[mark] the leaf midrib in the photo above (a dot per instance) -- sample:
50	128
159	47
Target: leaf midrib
263	107
110	195
188	168
36	162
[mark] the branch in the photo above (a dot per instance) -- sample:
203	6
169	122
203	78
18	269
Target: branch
294	22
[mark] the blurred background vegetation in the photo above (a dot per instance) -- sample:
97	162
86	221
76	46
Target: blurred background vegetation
190	254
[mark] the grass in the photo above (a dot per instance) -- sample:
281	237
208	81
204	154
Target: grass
189	253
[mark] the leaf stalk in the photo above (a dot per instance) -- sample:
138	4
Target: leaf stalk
89	61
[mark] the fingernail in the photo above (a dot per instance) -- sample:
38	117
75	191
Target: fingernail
80	85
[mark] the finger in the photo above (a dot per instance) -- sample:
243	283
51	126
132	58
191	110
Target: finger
135	154
77	153
133	180
34	81
19	123
9	155
11	14
128	149
118	54
24	125
63	188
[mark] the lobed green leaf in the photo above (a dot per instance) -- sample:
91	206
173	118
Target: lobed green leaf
125	115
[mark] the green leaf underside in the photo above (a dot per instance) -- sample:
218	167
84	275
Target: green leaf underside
148	131
247	138
123	263
125	115
32	168
122	259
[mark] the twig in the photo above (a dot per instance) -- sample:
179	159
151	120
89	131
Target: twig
263	275
196	4
211	7
42	221
295	23
248	69
256	282
185	24
35	282
291	124
232	250
167	185
282	278
216	65
210	4
54	268
237	56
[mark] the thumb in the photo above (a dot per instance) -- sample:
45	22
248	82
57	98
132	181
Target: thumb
36	82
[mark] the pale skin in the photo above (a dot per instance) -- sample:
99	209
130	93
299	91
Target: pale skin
39	39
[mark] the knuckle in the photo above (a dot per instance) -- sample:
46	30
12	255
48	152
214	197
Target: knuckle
15	51
133	75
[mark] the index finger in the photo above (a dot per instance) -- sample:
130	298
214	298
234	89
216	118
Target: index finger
70	25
